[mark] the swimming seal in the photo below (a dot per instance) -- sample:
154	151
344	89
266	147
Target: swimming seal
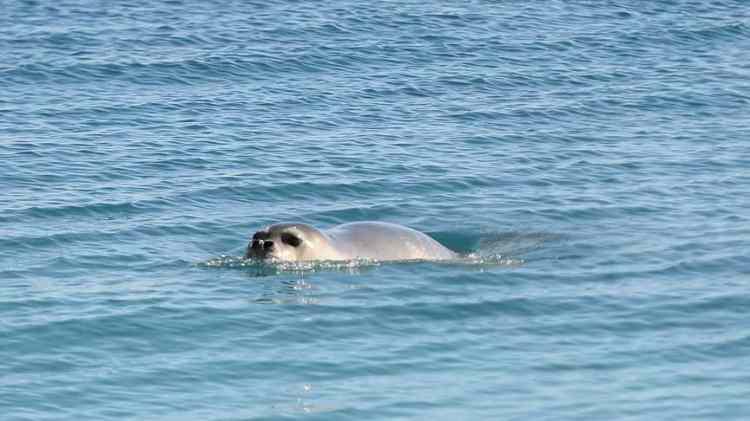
357	240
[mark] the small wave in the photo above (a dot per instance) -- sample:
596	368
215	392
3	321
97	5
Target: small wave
729	31
266	268
484	259
513	243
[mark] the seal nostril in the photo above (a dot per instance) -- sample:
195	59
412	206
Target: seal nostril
267	244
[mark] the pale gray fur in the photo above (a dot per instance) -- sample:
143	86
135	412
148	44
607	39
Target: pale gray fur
384	241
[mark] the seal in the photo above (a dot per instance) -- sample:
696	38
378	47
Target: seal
357	240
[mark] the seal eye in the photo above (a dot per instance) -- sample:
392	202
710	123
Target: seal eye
290	239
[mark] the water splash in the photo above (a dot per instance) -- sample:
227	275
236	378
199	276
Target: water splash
268	268
271	267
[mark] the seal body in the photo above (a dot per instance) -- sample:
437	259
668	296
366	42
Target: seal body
357	240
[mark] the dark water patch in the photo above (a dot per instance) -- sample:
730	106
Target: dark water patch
186	71
103	210
728	31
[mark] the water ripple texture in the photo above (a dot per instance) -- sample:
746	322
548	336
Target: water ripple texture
590	160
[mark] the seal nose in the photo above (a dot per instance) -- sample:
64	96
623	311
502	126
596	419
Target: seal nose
260	245
259	248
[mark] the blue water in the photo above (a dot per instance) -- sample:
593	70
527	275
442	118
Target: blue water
595	154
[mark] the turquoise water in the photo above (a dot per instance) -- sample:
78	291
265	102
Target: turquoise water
594	154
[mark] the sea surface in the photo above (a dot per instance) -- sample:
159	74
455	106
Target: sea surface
592	159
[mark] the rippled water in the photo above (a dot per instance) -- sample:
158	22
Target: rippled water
597	153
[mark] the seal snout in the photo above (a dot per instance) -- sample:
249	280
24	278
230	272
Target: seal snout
260	246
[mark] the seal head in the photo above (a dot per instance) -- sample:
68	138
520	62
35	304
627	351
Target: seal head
291	242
